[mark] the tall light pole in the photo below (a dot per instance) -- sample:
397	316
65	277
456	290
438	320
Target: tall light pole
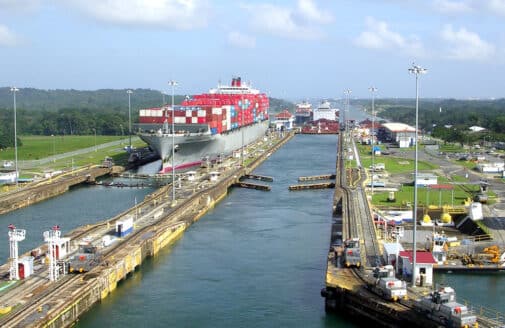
373	90
129	92
163	95
242	127
94	130
14	90
347	93
417	70
54	149
173	83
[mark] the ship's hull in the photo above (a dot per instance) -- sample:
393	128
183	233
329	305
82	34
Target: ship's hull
191	149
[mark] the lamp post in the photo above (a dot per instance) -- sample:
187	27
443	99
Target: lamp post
416	70
346	118
121	126
14	90
242	127
173	83
94	130
129	92
373	90
347	93
54	149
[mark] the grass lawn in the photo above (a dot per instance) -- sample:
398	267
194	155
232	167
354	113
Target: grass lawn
118	154
451	148
37	147
393	164
424	196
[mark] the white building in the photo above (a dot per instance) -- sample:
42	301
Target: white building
476	128
402	134
424	266
490	167
391	251
8	176
284	120
426	179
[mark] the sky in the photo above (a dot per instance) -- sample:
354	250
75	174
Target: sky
291	49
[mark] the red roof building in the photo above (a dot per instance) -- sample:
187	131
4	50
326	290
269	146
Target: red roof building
422	257
284	120
284	115
424	267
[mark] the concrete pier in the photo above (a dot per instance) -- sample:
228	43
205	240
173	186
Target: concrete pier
54	186
252	186
324	185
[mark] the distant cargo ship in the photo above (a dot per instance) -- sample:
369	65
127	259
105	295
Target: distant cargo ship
303	113
325	120
207	125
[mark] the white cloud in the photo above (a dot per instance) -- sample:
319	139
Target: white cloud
493	7
7	37
241	40
302	22
452	7
465	45
496	6
309	10
178	14
378	36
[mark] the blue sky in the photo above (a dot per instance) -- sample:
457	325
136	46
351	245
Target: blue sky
290	49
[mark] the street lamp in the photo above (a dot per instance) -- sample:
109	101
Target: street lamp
173	83
94	130
373	90
129	92
346	119
121	126
347	93
54	149
242	109
417	70
14	90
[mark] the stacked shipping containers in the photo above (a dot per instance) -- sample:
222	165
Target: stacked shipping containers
221	111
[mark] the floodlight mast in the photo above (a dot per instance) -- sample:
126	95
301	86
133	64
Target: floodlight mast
416	70
373	90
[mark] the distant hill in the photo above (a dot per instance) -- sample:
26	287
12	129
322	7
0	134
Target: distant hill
79	112
53	100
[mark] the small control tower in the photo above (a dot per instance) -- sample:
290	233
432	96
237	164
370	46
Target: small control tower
52	237
15	236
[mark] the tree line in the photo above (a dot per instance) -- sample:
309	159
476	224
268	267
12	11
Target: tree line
76	112
449	119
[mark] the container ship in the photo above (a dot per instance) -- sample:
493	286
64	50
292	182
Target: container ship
324	120
205	126
303	113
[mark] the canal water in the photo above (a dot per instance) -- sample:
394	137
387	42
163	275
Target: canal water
258	259
81	205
